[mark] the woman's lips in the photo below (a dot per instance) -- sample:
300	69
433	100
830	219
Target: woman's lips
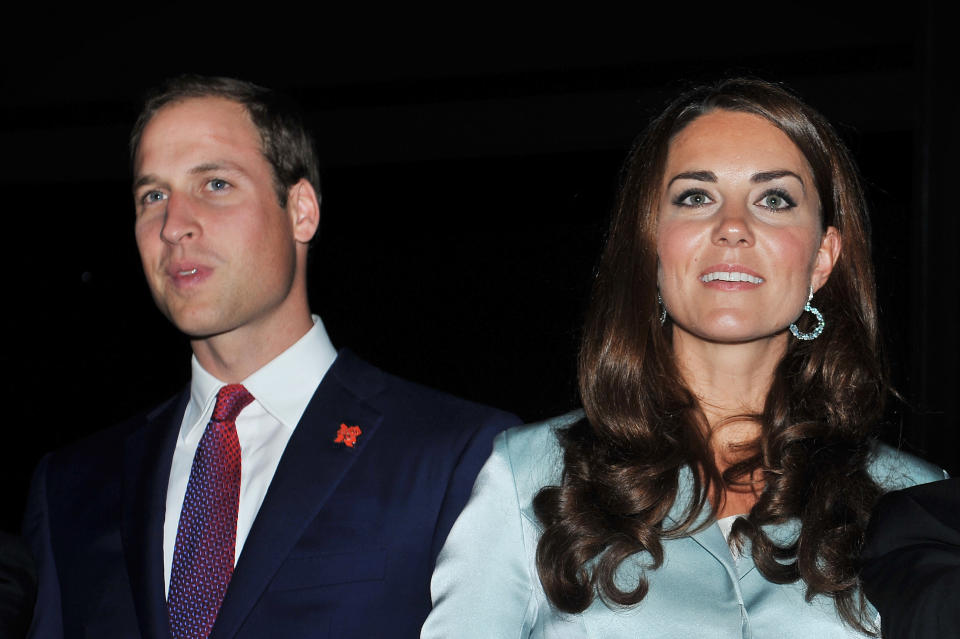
730	276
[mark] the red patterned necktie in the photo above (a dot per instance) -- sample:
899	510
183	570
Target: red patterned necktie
203	556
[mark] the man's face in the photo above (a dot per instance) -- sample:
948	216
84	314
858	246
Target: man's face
219	252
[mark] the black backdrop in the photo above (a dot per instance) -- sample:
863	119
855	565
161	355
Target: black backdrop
470	163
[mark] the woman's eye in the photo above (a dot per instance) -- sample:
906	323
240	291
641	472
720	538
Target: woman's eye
693	198
776	201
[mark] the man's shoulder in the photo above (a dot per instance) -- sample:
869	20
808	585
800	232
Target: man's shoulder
418	406
109	442
941	499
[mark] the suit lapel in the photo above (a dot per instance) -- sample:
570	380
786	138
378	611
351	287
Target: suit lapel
148	453
309	472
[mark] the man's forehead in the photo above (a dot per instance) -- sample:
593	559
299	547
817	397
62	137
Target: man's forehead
200	105
193	125
213	115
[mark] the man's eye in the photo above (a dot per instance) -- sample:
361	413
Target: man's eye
151	197
217	184
693	198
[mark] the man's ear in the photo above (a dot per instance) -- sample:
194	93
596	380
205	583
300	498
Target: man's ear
827	255
303	205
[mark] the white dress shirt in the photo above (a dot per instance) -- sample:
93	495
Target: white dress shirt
281	390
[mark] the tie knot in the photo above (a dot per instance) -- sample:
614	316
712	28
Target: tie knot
231	399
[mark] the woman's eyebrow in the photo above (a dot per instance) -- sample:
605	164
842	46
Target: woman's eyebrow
702	176
767	176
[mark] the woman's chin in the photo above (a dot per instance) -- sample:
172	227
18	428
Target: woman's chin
727	332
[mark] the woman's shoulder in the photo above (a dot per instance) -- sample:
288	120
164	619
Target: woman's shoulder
894	469
534	454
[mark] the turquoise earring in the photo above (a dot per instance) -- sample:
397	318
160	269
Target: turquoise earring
815	333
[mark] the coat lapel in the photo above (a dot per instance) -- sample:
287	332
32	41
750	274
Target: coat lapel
309	472
711	539
708	537
148	453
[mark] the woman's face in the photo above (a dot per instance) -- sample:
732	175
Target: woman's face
739	234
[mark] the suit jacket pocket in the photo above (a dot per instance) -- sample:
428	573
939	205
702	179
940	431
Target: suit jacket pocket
324	569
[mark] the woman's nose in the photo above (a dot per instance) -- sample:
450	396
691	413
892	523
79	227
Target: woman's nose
733	227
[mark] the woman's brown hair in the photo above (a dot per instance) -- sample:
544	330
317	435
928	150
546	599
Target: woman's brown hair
622	462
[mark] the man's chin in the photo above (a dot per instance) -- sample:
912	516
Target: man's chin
196	326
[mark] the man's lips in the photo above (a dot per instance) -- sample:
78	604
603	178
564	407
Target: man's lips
185	273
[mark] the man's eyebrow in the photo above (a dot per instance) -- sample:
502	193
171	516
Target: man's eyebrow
207	167
768	176
701	176
200	169
143	180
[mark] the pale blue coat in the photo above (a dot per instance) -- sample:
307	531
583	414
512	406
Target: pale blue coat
485	585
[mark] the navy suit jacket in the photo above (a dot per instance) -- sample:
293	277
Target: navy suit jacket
18	586
343	545
911	561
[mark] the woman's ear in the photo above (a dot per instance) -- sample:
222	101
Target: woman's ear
827	255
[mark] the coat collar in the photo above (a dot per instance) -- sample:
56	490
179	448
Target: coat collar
712	540
310	470
148	452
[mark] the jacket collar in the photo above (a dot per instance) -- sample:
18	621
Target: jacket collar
148	452
310	470
711	539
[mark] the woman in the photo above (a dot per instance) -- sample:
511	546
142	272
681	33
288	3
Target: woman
720	478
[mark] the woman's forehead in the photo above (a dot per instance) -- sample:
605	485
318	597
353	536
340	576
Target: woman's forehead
734	137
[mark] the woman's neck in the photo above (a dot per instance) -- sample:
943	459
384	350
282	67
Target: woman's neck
730	381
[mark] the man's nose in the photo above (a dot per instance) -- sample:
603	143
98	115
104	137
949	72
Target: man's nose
180	220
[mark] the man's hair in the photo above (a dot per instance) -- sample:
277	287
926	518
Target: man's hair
284	139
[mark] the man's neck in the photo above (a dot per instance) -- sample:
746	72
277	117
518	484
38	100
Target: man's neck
235	355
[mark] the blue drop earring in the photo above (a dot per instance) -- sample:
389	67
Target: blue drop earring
815	333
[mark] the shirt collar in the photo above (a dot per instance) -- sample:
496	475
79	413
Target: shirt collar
284	386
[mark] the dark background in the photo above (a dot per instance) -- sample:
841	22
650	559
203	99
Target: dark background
470	161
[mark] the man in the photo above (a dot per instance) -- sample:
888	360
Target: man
911	562
18	586
290	491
